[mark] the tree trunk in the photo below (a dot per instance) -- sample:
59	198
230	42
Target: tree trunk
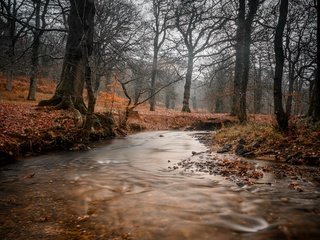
34	69
281	116
311	98
187	86
258	89
35	55
36	46
11	55
154	76
91	102
290	90
242	114
243	58
316	114
218	105
235	109
167	102
69	91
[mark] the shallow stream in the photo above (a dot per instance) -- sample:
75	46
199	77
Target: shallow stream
129	189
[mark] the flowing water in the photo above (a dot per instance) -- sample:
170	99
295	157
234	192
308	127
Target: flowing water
129	188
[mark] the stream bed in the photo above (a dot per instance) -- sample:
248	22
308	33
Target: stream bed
128	188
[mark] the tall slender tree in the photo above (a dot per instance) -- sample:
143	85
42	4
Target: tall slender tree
316	114
37	33
281	116
160	12
243	37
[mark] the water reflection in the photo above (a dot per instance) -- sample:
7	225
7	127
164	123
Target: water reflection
127	185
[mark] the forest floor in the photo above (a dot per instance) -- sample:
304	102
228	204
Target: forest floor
26	129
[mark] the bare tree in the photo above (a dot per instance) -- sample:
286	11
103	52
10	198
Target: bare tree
197	22
136	74
298	46
37	34
16	18
243	37
118	29
79	47
160	10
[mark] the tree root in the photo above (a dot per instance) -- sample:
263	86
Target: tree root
66	103
186	109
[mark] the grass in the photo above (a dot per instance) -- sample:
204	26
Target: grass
249	132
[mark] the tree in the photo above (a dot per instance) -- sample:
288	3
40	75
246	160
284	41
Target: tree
299	46
197	22
281	116
79	47
16	19
160	12
134	82
316	113
118	29
37	33
257	97
243	38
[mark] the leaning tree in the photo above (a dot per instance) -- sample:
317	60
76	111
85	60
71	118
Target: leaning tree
68	94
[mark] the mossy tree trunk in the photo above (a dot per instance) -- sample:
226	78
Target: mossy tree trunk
68	94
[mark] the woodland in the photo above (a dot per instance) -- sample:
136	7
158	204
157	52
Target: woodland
239	58
77	72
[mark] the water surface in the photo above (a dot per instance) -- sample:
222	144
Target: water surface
130	187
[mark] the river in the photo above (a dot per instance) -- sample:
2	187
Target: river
128	189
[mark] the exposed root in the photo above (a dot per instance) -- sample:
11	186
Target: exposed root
51	102
66	103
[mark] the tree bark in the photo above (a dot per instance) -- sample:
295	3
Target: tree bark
154	75
11	51
281	116
243	58
91	102
187	86
290	89
69	91
258	89
34	68
235	109
316	114
35	54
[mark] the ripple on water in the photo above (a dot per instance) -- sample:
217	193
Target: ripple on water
239	222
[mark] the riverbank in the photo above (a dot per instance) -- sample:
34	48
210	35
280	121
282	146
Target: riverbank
249	154
27	129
